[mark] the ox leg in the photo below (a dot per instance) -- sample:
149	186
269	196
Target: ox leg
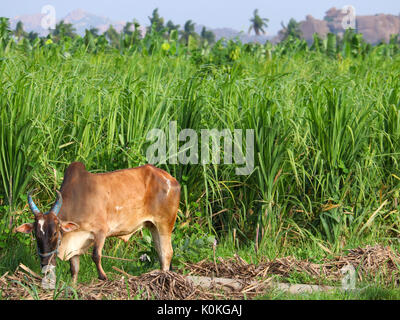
74	267
96	256
162	242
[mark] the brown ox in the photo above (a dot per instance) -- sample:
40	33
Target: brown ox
91	207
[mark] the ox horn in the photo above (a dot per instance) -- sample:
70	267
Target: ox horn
32	205
57	206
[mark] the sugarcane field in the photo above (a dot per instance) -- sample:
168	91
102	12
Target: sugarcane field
149	153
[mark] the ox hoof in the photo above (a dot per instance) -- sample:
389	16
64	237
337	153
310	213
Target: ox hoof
103	277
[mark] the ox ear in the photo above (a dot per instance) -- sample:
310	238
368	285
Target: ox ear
68	226
25	228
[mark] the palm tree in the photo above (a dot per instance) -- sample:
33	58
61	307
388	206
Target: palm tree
137	33
131	33
94	31
64	30
188	30
113	36
19	31
291	30
171	26
128	28
156	21
258	24
207	35
32	36
4	28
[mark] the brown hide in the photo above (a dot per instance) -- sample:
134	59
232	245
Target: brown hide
117	204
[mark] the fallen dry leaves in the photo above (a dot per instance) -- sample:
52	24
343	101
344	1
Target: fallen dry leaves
250	279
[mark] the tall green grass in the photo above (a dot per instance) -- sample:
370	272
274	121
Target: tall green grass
326	134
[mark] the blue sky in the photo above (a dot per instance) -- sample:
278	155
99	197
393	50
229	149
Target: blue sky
212	13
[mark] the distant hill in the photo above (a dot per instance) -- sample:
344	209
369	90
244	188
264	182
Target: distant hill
32	22
83	20
80	19
374	28
229	33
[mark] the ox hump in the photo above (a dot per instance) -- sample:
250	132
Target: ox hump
76	166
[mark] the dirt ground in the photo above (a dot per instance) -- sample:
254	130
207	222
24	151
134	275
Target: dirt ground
249	280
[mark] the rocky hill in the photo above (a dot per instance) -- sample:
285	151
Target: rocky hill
229	33
32	22
378	27
374	28
82	20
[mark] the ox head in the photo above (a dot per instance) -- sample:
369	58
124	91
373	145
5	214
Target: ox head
48	229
